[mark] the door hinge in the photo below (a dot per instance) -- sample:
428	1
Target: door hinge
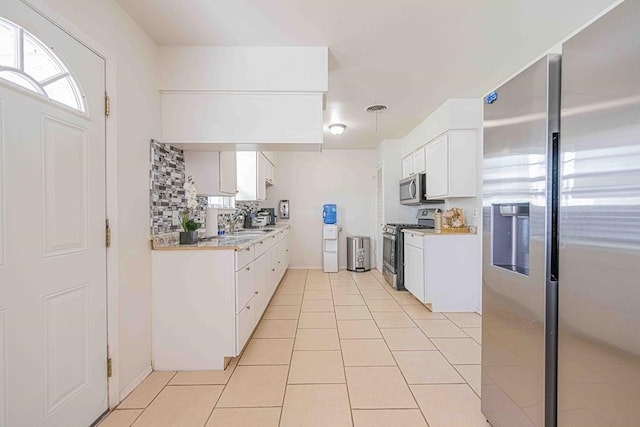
107	105
107	234
109	368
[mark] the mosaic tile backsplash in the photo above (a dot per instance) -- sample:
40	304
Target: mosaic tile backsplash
167	197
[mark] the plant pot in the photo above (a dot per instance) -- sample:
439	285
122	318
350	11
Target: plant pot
188	237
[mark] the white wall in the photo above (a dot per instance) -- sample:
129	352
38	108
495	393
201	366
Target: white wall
309	180
136	108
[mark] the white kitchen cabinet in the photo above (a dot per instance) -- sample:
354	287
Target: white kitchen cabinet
413	270
206	303
245	322
263	282
253	169
245	285
269	171
443	270
413	163
407	166
451	164
213	172
418	160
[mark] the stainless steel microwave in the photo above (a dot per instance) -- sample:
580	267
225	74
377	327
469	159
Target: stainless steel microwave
413	190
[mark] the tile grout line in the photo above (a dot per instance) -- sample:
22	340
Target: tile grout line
344	368
286	381
240	356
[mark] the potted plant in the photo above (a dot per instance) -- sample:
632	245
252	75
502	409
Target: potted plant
190	234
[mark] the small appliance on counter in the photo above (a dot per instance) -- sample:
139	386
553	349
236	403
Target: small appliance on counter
258	221
269	213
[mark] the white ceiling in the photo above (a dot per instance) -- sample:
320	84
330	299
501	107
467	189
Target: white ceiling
409	54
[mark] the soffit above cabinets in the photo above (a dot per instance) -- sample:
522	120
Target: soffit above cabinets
243	96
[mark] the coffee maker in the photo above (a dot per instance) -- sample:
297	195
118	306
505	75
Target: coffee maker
270	213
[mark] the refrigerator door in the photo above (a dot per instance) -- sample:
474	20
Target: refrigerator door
599	287
518	129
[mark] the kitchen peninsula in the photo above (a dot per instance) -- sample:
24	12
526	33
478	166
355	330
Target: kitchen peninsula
208	297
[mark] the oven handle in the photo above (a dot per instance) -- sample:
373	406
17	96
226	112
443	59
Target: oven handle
389	236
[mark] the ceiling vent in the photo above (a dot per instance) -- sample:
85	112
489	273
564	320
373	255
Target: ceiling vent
376	108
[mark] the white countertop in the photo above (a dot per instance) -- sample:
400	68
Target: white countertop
432	232
170	241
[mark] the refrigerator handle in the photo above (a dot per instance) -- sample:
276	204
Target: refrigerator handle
551	297
555	187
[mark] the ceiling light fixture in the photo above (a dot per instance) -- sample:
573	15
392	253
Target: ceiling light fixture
337	128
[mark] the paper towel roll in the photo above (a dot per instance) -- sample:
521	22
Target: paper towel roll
211	222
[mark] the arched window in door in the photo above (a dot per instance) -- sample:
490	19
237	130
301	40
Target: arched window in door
27	62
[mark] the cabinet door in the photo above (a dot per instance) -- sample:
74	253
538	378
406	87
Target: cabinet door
203	166
437	162
462	163
247	175
418	161
228	173
262	178
272	173
245	322
285	251
263	283
407	166
245	285
413	271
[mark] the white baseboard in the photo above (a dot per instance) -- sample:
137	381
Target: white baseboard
135	383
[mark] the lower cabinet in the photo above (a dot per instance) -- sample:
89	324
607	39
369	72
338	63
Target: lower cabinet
245	322
207	303
443	270
414	271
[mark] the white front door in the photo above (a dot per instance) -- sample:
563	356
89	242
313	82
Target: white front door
53	342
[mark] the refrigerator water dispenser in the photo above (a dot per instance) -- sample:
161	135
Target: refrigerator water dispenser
510	237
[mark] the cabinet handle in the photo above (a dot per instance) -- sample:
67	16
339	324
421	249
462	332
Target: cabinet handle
256	292
273	269
248	307
261	242
248	268
248	249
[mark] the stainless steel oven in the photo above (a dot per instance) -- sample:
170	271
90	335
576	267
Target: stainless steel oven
389	245
392	247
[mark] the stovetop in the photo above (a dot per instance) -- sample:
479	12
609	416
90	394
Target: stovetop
409	225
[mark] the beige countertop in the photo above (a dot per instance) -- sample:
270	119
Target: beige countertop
170	241
432	232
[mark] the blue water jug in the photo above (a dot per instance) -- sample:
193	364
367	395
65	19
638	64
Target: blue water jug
329	214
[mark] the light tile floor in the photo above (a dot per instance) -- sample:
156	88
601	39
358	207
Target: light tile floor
341	349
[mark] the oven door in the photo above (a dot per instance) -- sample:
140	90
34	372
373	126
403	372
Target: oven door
389	270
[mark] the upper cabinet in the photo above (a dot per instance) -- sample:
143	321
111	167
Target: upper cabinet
254	172
451	165
413	163
213	172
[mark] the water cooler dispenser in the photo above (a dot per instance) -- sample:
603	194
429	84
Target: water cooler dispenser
330	231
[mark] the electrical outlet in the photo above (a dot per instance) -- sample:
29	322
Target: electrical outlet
175	220
475	213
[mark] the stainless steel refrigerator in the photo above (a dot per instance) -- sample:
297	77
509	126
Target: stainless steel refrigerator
561	234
